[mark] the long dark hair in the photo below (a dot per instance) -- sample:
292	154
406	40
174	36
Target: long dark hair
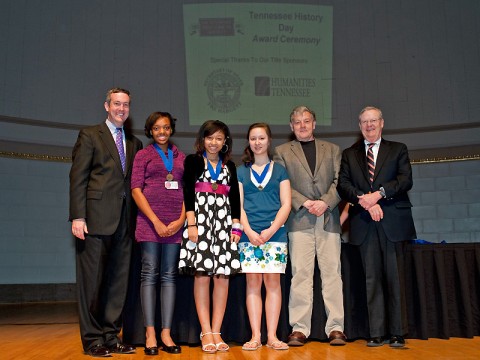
208	128
248	157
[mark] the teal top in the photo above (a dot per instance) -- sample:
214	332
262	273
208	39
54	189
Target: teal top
262	206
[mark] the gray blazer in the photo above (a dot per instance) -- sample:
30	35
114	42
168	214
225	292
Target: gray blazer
322	185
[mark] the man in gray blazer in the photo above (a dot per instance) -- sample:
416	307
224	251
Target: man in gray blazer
313	227
103	221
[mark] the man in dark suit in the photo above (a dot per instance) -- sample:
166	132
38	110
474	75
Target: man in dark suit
103	219
375	176
313	227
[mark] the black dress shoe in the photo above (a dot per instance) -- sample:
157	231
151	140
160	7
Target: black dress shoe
122	349
297	338
337	338
174	349
397	341
151	350
98	351
375	342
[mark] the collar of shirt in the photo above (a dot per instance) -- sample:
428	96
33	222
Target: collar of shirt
113	130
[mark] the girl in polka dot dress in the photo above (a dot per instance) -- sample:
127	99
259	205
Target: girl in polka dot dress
212	230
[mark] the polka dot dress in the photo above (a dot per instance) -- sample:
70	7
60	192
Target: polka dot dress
213	254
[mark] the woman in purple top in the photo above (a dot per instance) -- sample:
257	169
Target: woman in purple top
158	192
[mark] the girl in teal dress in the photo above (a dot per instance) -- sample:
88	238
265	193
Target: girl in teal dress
265	197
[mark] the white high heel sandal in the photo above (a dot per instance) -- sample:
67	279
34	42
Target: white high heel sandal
209	348
217	346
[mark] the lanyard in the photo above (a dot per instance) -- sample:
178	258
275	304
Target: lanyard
168	162
214	173
261	177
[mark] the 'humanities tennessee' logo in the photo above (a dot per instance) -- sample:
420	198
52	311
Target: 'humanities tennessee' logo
301	87
223	90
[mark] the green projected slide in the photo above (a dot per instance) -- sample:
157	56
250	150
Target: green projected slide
255	62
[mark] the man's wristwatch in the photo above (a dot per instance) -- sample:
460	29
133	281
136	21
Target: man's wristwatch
382	192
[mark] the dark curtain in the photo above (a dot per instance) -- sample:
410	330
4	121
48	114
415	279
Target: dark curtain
442	293
443	290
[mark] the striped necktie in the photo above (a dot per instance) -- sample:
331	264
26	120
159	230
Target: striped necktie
371	163
121	151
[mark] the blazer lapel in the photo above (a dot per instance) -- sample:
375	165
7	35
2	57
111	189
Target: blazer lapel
300	155
381	156
107	139
362	159
320	151
129	154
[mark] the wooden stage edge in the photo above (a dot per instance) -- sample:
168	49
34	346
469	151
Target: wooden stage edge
50	331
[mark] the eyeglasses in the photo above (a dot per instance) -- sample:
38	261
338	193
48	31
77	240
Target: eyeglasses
165	128
371	121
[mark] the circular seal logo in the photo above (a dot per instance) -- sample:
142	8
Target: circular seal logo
223	90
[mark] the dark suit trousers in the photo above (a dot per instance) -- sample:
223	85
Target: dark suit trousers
383	264
102	277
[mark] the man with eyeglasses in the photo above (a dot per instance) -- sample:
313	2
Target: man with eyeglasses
375	176
313	227
103	222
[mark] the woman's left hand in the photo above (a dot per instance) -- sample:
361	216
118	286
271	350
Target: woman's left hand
266	234
234	238
174	226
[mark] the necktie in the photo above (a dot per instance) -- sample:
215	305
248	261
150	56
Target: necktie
119	143
371	162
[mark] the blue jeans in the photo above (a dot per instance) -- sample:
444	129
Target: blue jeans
159	262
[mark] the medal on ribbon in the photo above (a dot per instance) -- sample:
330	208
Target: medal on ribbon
214	173
260	177
168	162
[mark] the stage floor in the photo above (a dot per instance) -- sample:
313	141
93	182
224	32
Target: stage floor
50	331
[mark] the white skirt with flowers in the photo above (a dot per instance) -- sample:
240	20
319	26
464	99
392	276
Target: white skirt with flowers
267	258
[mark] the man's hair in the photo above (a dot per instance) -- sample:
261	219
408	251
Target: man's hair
115	91
368	108
300	110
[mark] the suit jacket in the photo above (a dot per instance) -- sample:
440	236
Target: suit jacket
392	171
321	185
98	185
